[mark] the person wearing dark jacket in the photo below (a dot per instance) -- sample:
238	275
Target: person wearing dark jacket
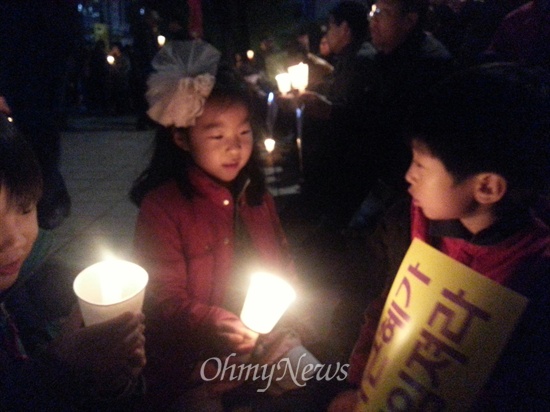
401	62
71	368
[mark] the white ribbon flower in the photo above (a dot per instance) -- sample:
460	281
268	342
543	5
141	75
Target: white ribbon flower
184	78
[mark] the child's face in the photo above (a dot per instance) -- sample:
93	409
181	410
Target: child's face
18	232
434	190
221	142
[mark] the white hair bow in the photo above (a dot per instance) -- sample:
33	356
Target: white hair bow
184	77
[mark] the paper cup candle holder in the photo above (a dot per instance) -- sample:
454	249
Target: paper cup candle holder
110	288
267	300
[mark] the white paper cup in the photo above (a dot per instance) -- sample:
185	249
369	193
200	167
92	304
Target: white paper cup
110	288
267	300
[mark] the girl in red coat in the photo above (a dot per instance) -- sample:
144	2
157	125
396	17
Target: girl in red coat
206	220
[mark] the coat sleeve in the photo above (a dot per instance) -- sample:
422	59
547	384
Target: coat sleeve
386	248
159	248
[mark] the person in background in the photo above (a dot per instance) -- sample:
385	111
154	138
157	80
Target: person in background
324	48
47	365
119	80
36	42
481	158
329	119
524	35
401	62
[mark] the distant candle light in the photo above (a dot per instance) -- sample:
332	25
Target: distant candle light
161	40
283	82
250	54
269	144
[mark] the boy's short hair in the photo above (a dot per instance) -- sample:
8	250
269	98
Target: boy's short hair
490	118
419	7
20	172
355	14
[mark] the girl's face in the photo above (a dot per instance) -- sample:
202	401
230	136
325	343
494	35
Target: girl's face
18	232
221	141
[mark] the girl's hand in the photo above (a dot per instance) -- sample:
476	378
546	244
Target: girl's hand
233	335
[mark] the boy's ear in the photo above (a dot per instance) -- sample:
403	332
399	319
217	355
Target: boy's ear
345	26
490	188
180	139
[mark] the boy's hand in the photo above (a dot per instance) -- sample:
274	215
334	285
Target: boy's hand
112	352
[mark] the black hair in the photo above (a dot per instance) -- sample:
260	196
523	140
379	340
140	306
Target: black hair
419	7
20	173
355	14
171	162
490	118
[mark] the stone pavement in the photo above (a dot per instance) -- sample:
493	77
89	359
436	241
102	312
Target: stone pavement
100	159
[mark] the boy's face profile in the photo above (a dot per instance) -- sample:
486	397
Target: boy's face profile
434	189
18	232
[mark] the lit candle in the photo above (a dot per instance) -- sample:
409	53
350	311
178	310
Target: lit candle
299	127
299	76
267	300
110	59
108	289
283	82
161	40
271	113
250	54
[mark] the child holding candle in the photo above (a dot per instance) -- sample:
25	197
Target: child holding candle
206	220
481	159
93	368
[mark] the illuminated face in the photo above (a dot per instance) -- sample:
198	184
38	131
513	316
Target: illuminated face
324	48
18	232
388	25
221	141
434	190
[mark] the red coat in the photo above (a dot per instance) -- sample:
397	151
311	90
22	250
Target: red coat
187	247
521	262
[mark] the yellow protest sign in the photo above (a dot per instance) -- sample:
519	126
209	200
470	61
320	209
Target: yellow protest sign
442	330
